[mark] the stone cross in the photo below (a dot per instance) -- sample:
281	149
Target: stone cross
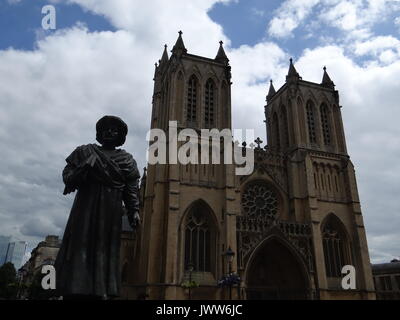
258	141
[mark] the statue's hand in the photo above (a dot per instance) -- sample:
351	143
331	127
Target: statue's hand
135	220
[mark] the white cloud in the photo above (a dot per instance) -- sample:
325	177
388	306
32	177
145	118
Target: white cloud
289	15
377	46
51	97
356	17
158	22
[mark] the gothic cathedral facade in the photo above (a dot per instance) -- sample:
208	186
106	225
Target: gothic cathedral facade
288	227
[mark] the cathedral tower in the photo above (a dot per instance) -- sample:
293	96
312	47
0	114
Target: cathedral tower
307	167
188	209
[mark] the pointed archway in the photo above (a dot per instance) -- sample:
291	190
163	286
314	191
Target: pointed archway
275	272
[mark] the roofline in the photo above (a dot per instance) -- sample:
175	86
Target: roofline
302	82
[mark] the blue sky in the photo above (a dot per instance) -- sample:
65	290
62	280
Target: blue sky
244	23
100	60
20	22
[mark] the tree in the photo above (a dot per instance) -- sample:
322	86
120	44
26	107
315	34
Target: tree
35	290
8	282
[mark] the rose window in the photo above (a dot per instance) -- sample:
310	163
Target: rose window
259	200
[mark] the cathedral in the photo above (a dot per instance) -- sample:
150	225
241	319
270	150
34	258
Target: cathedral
284	231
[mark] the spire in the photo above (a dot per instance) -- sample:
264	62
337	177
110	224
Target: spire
221	56
326	80
271	91
164	57
155	70
292	74
179	46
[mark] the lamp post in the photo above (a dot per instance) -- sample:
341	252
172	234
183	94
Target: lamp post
190	268
230	255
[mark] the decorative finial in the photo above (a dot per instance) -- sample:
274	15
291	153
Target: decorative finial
179	47
271	91
221	55
326	80
292	74
258	141
165	46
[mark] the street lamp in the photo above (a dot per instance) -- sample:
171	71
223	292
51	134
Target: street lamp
190	268
230	255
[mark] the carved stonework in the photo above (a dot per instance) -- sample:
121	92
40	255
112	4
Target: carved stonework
252	231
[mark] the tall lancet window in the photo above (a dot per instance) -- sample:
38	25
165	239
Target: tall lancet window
275	130
191	100
285	127
335	244
199	240
325	124
311	122
209	112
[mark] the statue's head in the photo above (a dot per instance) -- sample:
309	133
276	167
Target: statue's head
111	130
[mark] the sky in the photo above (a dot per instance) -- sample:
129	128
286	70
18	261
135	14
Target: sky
55	85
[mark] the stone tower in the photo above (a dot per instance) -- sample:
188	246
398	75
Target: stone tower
301	219
292	224
188	210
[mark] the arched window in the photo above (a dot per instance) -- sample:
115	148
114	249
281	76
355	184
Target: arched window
300	114
311	122
325	124
275	129
191	100
199	239
225	105
285	127
180	84
336	250
209	112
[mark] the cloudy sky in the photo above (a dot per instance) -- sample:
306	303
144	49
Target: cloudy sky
55	85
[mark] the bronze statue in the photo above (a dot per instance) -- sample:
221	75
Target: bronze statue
106	180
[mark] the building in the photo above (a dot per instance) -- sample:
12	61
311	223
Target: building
16	252
286	229
45	253
4	241
387	280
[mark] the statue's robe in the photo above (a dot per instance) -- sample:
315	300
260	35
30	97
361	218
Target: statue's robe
107	184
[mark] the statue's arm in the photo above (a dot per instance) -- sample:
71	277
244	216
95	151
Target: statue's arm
73	176
75	172
131	196
131	201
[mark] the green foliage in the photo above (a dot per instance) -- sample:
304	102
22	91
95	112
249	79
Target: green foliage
189	284
8	282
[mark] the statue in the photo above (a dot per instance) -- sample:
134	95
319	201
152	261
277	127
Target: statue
106	180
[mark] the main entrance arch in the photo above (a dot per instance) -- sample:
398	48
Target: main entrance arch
276	272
